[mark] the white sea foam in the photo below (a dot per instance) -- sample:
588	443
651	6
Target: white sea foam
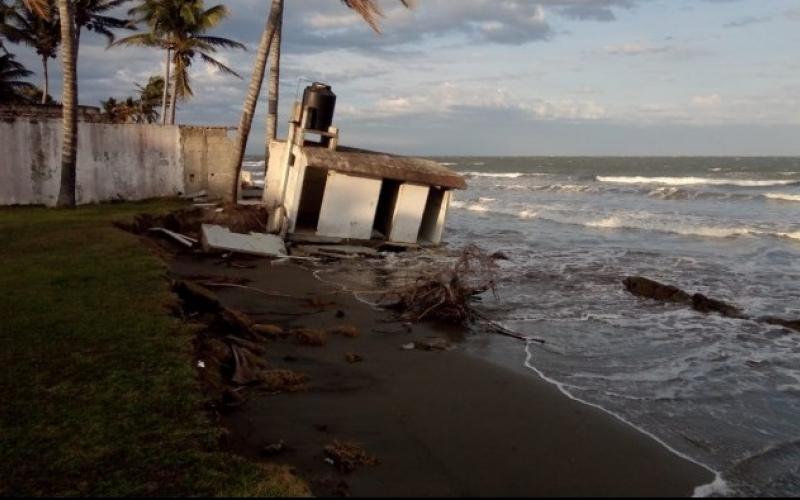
608	223
794	236
448	163
259	163
783	196
505	175
694	181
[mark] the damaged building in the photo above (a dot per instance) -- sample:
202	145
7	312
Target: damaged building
322	190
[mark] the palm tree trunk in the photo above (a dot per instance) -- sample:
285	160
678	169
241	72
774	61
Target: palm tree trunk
274	82
46	87
173	98
69	96
166	88
249	108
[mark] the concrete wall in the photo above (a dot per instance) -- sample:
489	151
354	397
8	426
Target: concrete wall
408	212
348	206
114	162
206	152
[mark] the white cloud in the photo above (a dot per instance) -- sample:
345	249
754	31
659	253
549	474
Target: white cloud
706	100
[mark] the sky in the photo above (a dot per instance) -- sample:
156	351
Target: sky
508	77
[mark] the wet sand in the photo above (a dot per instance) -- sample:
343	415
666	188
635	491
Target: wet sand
441	423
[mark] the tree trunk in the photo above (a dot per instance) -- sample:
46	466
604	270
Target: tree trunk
69	96
274	82
173	98
166	88
46	87
249	108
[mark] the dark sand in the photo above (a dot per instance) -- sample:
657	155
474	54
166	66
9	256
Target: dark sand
441	423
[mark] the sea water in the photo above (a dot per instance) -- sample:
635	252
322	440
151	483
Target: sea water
724	392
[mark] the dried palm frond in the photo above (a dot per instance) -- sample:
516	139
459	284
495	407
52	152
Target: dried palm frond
447	295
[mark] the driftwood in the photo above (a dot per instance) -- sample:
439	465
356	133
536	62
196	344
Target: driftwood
650	289
446	295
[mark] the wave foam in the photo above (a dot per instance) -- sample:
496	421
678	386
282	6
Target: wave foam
504	175
694	181
783	196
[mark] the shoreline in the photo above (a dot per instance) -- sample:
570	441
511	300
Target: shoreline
400	404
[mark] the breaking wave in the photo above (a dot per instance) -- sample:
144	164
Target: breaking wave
783	196
694	181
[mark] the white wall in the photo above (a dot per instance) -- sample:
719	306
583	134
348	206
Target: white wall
128	162
348	207
408	212
114	161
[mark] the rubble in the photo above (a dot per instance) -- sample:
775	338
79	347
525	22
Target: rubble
348	456
262	244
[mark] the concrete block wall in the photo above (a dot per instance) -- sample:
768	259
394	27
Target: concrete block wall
114	161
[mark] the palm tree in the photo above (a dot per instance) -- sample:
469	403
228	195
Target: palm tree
369	11
180	28
92	15
12	85
43	34
69	96
274	83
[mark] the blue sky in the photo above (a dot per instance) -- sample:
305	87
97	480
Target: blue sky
492	77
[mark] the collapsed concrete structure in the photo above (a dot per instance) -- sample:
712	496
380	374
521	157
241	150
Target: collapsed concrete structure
320	189
355	194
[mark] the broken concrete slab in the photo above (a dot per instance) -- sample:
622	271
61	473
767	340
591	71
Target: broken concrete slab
180	238
221	238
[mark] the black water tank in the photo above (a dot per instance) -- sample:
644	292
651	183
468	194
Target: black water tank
320	101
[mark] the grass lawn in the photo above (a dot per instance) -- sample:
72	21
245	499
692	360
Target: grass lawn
98	395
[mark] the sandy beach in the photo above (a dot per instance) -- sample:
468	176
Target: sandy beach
440	423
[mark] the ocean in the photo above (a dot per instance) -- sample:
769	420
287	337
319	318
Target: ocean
723	392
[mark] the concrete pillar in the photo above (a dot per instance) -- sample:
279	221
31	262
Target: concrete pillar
408	210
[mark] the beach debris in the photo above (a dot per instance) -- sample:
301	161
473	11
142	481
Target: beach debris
352	357
500	255
232	398
201	363
348	331
446	295
284	380
408	347
180	238
337	251
273	449
188	221
347	456
647	288
650	289
433	344
309	337
270	331
786	323
216	237
248	366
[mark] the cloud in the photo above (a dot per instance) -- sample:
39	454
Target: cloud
634	49
706	100
747	21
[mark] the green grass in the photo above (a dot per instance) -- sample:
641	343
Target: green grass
98	395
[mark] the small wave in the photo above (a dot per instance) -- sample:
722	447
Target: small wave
259	163
448	163
608	223
783	196
792	236
694	181
505	175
